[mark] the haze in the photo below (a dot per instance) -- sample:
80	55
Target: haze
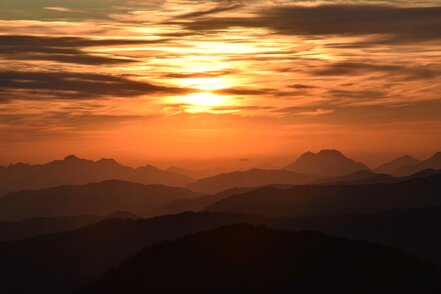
199	83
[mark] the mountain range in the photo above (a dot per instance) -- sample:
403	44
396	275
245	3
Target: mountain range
249	179
61	262
334	199
75	171
90	199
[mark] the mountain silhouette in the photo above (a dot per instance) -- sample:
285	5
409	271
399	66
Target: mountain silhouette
394	165
75	171
330	163
434	162
410	230
248	259
44	225
59	263
90	199
334	199
199	203
250	178
357	177
47	225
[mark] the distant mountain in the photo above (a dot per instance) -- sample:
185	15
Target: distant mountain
249	179
394	165
330	163
197	174
247	259
334	199
199	203
355	177
43	225
433	162
370	178
75	171
90	199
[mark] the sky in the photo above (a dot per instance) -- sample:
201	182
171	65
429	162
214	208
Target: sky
202	83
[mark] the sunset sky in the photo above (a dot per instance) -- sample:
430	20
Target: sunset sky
194	82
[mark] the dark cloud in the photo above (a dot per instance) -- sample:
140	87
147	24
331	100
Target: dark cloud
69	85
301	86
360	68
402	24
61	49
208	74
213	10
360	94
244	91
242	108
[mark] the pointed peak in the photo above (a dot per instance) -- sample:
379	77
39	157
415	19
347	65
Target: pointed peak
71	157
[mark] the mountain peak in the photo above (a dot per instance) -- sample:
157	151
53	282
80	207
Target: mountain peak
392	166
330	152
328	162
71	157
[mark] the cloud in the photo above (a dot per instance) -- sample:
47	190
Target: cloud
212	10
66	9
361	68
70	85
401	24
244	91
62	49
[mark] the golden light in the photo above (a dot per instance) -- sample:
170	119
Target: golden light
203	99
205	83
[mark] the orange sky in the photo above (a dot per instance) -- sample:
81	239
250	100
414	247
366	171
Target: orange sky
218	82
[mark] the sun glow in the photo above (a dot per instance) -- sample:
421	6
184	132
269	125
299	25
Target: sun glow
204	99
205	83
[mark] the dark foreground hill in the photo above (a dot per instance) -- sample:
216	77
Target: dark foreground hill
59	263
76	171
412	230
248	259
90	199
249	179
334	199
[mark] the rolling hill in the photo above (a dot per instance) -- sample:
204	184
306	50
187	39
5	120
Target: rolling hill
334	199
90	199
249	179
247	259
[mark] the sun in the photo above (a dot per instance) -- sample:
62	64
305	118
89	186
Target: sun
202	102
206	99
